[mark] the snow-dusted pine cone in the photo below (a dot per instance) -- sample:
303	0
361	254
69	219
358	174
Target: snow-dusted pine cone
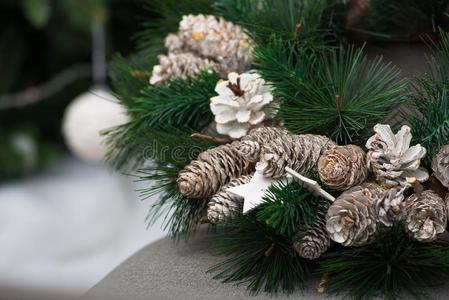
314	241
440	165
212	169
391	207
253	141
343	167
392	159
352	220
299	152
216	39
426	216
241	103
179	65
224	204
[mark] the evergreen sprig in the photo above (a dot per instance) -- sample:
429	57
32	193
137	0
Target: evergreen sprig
289	208
259	257
336	92
392	266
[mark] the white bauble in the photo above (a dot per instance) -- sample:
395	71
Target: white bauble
84	119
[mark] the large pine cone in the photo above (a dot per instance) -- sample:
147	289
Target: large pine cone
314	241
224	204
426	216
391	206
252	143
299	152
343	167
212	169
351	219
440	165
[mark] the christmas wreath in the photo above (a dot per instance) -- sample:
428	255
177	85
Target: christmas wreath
259	119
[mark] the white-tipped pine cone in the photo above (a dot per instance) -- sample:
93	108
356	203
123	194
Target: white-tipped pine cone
426	216
299	152
179	65
392	159
391	207
440	165
212	169
343	167
253	141
216	39
351	220
225	204
314	241
240	104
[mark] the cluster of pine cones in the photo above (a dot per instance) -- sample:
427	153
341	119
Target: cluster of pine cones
378	188
201	43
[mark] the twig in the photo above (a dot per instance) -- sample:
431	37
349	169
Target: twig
35	94
217	140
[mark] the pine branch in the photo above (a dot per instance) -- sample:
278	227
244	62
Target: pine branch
335	92
392	266
259	257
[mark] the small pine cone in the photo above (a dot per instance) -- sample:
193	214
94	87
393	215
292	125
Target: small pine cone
179	65
391	206
440	165
426	216
299	152
314	241
212	169
224	204
175	44
253	141
351	219
343	167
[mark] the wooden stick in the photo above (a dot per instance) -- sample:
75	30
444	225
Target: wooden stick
210	138
312	185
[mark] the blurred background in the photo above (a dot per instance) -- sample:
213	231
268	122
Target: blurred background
66	219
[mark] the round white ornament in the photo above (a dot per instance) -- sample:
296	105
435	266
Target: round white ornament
84	120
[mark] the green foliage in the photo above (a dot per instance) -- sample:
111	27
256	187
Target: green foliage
289	208
430	125
335	92
36	11
392	266
259	257
180	103
405	18
263	18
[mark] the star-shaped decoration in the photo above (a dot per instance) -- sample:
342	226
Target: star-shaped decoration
253	192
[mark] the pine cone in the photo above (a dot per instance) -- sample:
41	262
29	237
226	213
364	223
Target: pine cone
426	216
314	241
391	206
299	152
253	141
440	165
175	44
212	169
224	204
392	159
343	167
179	65
351	219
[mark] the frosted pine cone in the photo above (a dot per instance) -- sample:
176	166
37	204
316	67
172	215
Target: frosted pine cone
212	169
299	152
426	216
253	141
219	40
440	165
240	104
175	44
179	65
314	241
392	159
351	219
343	167
224	204
391	207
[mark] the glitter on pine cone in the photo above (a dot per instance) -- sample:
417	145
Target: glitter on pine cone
343	167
